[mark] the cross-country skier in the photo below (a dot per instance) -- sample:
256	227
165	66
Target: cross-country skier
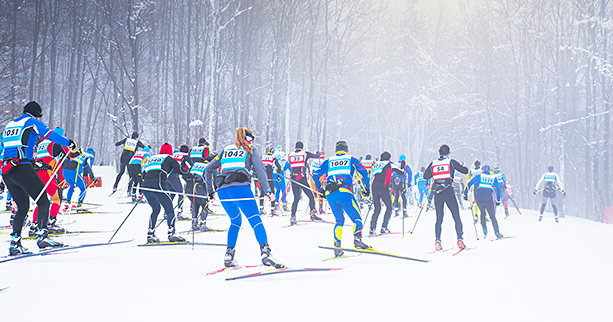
236	161
269	162
48	156
19	140
155	189
381	177
281	189
200	152
339	171
130	145
174	178
502	182
552	183
196	185
135	169
73	171
298	166
442	172
487	196
400	182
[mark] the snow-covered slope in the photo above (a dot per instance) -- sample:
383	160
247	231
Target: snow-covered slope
548	272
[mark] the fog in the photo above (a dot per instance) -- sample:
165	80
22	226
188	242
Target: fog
520	84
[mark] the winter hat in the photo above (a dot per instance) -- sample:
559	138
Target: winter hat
147	149
91	151
202	141
402	157
385	156
486	169
444	150
299	145
59	131
184	148
135	135
33	109
550	168
342	146
166	149
368	157
477	163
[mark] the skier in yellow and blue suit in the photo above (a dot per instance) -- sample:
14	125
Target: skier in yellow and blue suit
339	170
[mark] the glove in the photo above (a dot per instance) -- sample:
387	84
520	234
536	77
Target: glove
465	196
497	203
96	180
322	193
278	178
269	194
475	219
534	192
366	192
72	145
211	196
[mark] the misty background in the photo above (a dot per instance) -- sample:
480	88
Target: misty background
520	84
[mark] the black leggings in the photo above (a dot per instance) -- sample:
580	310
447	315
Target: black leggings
296	189
157	199
23	183
197	188
381	194
134	170
271	184
447	196
399	192
490	208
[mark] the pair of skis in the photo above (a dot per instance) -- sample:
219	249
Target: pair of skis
55	250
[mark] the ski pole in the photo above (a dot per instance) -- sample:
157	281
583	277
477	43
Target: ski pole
421	209
139	199
514	204
58	166
199	196
300	184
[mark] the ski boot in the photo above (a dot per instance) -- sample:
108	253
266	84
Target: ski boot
461	244
321	210
292	220
372	231
79	204
499	235
540	218
358	243
53	227
33	229
195	224
43	240
285	207
338	252
506	212
385	230
484	233
228	259
173	238
556	219
151	238
396	212
262	211
15	247
267	258
314	216
437	246
404	213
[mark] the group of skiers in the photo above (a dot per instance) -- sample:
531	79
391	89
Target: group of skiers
30	166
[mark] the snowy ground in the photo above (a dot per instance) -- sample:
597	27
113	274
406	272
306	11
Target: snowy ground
549	272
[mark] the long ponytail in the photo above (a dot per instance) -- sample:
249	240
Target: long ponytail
240	139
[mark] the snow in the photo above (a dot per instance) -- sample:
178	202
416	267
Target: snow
549	272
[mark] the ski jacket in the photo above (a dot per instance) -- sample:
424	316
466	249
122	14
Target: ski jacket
340	169
235	165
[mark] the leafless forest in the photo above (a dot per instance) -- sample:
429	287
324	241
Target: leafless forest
522	84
